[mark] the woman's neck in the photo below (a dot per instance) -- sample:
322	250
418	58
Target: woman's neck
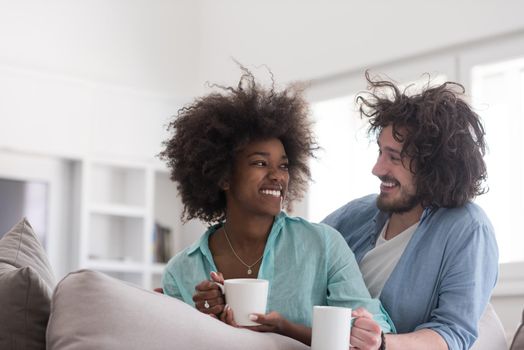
248	230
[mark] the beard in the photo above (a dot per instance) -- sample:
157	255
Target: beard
405	203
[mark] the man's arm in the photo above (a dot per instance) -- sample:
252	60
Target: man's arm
424	338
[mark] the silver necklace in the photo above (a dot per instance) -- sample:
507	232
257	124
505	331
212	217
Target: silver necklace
249	271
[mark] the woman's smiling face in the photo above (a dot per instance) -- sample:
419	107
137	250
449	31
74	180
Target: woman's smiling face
259	178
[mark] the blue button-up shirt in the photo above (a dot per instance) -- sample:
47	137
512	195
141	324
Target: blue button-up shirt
444	278
306	264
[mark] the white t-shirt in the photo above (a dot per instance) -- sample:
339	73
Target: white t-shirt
379	262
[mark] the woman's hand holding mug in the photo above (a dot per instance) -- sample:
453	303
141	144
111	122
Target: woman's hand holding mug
208	296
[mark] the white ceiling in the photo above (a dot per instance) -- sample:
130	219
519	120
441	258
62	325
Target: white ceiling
175	46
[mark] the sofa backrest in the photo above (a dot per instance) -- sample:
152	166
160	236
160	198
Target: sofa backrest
114	315
491	332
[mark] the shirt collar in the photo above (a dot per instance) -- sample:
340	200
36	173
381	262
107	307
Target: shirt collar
203	243
381	217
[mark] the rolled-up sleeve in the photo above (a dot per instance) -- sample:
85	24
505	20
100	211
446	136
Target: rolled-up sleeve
469	275
170	285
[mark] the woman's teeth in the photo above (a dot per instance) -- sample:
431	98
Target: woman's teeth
275	193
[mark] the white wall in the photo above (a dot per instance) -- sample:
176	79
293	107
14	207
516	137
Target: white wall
147	45
94	77
315	39
85	79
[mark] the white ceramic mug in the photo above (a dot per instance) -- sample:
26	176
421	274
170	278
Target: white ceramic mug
246	296
331	328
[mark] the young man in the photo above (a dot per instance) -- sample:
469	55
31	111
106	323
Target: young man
423	247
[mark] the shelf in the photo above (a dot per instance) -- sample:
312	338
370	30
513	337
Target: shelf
118	210
116	238
135	278
126	207
158	268
114	265
117	184
167	207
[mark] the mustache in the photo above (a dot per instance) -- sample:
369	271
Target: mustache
388	179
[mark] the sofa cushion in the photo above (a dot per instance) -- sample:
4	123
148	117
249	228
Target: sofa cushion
491	332
91	310
518	339
26	285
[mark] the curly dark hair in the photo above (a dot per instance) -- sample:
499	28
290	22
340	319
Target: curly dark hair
441	135
207	134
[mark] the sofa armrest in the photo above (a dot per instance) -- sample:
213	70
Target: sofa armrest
91	310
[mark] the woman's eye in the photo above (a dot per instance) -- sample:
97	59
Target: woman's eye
285	166
259	163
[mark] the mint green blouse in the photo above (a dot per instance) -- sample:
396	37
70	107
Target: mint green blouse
306	264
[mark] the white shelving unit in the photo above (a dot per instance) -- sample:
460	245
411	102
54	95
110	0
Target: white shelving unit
121	204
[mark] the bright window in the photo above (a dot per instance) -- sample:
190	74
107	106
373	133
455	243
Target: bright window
342	170
498	95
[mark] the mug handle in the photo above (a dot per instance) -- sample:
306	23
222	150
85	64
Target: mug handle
221	286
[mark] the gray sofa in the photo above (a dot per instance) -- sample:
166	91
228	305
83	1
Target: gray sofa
518	339
90	310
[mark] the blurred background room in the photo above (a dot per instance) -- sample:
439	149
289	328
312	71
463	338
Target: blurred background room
88	87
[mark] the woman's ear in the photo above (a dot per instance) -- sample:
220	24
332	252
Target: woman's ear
224	185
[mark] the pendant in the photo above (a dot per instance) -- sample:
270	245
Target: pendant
249	271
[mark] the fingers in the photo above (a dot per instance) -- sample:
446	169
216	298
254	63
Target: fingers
206	286
228	317
261	328
271	322
208	297
271	318
365	332
265	323
214	306
217	277
361	312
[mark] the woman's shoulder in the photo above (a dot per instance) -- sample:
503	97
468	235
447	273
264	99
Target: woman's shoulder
190	254
180	258
361	209
312	230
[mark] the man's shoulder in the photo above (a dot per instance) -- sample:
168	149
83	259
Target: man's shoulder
468	214
461	223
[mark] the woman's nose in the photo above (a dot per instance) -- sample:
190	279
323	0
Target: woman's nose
275	173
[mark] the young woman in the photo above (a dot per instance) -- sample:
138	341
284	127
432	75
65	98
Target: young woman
239	157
